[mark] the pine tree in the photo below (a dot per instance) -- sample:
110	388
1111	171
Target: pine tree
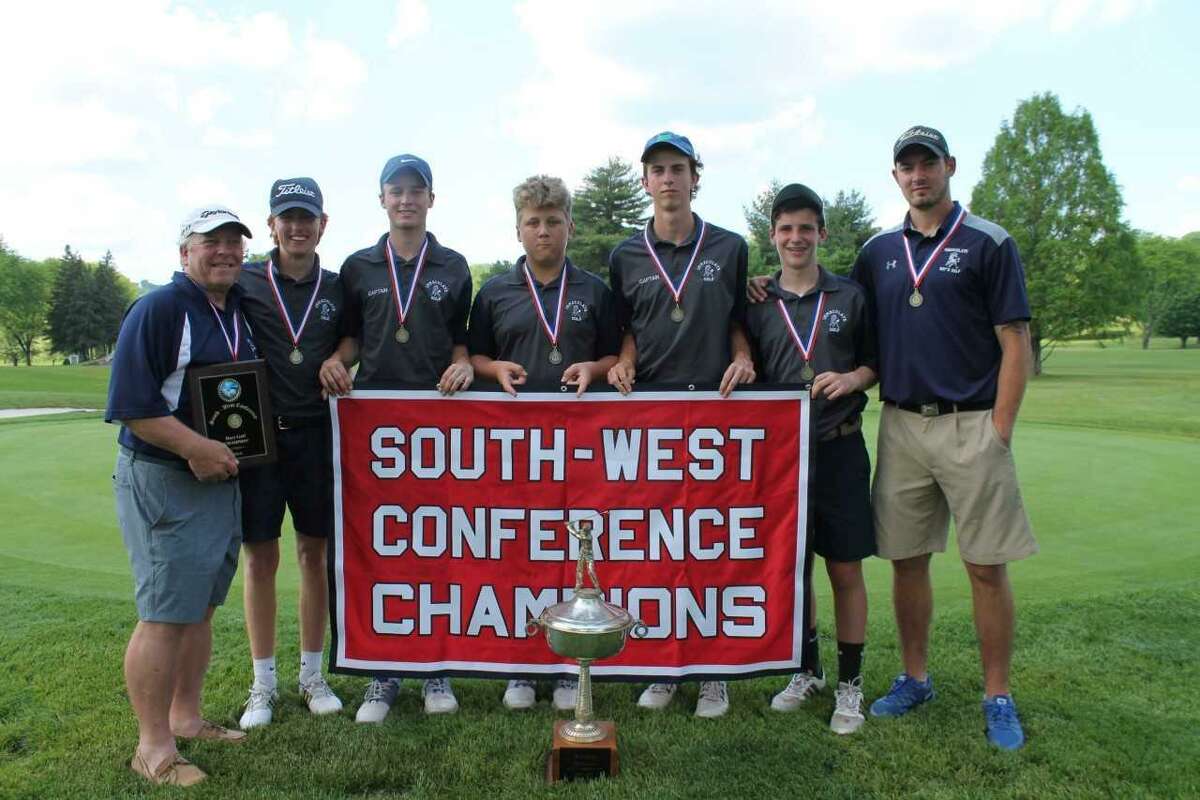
608	207
70	321
849	221
111	295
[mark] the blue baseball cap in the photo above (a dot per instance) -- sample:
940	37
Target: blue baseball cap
669	139
406	161
296	193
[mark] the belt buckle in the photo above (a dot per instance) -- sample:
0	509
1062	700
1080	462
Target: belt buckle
281	424
929	409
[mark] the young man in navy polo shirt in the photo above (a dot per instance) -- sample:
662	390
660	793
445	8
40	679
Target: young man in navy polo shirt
407	302
296	309
177	492
544	323
948	291
815	328
680	292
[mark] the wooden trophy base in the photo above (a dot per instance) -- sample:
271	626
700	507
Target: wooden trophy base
570	761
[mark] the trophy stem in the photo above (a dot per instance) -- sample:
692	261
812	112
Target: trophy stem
582	729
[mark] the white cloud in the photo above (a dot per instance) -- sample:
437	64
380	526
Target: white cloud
329	84
1188	183
256	139
203	104
412	22
199	190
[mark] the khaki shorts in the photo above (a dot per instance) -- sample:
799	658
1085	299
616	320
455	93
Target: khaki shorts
930	467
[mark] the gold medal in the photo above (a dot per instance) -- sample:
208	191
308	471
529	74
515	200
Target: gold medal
915	299
807	373
677	313
555	356
296	356
402	334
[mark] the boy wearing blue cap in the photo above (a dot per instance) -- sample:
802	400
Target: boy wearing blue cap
679	288
407	303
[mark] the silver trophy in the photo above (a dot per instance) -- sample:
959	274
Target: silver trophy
585	628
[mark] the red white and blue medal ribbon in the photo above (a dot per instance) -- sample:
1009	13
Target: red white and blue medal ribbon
806	349
552	333
235	343
915	299
676	291
404	305
296	356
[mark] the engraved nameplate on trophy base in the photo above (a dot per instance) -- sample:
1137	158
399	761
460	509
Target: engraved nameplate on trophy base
570	760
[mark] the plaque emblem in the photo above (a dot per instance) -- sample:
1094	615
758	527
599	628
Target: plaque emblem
229	390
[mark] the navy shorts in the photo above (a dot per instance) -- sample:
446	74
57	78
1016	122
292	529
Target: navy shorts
300	480
839	494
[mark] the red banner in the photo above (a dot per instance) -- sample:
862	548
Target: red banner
449	528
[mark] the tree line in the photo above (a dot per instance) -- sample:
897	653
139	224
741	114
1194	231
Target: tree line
75	305
1044	180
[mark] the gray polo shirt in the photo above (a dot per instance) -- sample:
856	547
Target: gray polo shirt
436	321
846	341
506	326
695	350
295	388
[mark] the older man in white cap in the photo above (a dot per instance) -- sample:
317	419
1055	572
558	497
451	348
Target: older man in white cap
177	494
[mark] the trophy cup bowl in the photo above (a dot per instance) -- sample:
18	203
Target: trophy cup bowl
585	628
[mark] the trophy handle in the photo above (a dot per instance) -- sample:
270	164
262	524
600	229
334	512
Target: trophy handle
533	625
638	629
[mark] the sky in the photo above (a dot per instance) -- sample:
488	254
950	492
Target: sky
120	117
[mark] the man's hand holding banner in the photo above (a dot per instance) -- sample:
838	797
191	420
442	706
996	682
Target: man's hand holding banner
449	528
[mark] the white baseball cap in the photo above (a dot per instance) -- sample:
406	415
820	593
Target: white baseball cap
209	218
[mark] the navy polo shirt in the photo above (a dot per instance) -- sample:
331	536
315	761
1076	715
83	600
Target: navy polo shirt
845	341
436	322
295	388
946	349
163	334
696	350
506	326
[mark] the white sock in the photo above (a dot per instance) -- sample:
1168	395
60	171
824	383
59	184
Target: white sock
310	665
264	672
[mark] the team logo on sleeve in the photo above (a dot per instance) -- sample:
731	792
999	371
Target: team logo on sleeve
229	390
436	290
577	310
709	270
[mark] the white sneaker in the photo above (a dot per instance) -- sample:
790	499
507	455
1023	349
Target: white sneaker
260	706
439	697
847	713
713	700
564	694
657	696
520	695
320	698
378	699
802	686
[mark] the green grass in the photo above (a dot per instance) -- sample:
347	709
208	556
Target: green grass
1106	669
51	387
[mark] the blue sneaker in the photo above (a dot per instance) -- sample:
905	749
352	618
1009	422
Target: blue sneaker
906	694
1003	727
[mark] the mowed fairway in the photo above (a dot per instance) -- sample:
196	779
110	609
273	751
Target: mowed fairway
1106	671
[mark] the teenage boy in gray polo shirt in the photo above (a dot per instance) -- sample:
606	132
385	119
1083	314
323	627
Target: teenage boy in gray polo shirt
815	328
680	293
544	323
295	308
407	303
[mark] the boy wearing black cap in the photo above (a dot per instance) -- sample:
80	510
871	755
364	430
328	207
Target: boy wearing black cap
815	328
679	287
407	303
295	309
948	293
